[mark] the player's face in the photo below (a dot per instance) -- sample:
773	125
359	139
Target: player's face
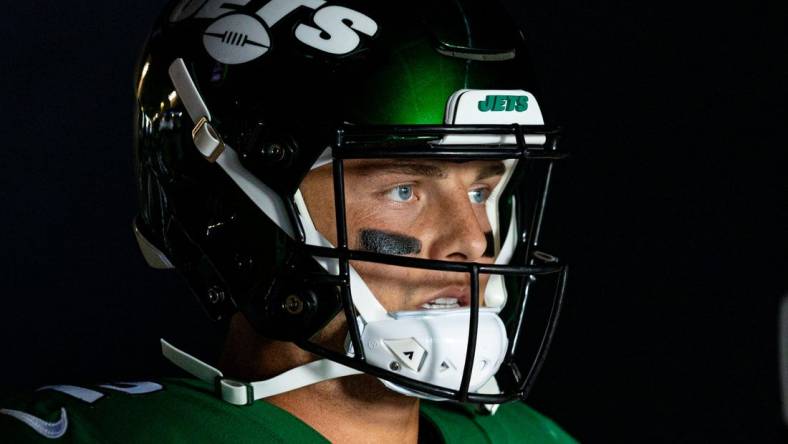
425	209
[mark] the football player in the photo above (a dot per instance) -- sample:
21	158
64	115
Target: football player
358	188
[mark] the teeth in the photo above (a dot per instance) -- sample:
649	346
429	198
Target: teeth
442	303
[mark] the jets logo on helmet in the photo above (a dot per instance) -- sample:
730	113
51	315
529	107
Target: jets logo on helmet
504	103
235	39
239	35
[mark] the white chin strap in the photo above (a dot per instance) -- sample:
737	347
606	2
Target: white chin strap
244	393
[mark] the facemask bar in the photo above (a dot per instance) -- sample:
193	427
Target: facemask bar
354	143
358	359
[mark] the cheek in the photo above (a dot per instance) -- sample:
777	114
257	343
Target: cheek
317	190
372	215
481	216
364	216
394	287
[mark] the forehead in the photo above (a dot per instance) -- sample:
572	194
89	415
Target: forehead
481	169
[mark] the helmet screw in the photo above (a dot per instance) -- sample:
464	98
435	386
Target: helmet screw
293	305
394	366
542	256
274	152
243	262
215	295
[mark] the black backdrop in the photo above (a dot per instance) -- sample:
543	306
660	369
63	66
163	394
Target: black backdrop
673	212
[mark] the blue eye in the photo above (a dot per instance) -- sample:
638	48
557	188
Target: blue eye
401	193
479	195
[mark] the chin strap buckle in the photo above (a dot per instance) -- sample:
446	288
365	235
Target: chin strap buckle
235	392
207	140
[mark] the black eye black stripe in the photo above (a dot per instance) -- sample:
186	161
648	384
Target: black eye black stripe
377	241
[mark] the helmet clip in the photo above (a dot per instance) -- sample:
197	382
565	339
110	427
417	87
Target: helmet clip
207	140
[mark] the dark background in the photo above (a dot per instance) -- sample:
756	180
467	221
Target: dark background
673	212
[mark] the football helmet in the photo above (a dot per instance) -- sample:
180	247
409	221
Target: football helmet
238	100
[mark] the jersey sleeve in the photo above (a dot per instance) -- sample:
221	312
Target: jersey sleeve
39	417
172	411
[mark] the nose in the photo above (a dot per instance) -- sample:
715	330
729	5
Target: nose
459	234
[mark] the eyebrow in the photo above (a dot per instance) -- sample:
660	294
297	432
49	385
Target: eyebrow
491	170
422	169
410	168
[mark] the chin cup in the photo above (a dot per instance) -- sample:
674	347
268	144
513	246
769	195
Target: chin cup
430	346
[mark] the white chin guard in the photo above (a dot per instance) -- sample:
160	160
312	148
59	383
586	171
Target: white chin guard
430	346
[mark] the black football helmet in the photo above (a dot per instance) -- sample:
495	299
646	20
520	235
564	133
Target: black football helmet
238	100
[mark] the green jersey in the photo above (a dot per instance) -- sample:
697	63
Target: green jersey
187	410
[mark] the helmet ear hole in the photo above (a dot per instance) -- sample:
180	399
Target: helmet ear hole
293	311
268	149
294	307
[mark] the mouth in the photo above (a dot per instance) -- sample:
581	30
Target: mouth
448	299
